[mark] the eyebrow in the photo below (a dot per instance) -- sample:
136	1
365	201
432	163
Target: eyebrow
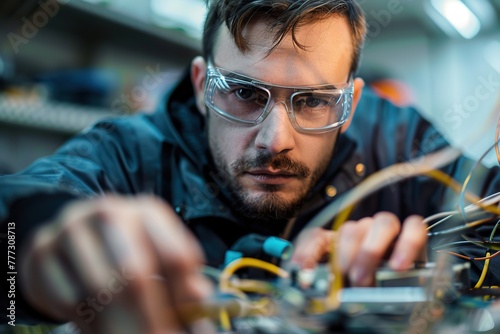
235	75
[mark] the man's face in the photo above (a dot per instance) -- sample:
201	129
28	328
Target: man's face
271	166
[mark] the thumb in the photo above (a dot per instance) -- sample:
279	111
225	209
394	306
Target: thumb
311	247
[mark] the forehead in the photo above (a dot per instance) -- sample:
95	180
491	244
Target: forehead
326	58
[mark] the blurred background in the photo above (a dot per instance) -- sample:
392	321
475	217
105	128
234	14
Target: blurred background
65	64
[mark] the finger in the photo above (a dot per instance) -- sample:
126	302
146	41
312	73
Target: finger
127	237
80	246
410	244
351	235
377	241
312	246
180	258
52	292
62	256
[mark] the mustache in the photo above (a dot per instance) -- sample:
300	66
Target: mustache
267	160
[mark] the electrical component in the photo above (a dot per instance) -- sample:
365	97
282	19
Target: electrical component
258	246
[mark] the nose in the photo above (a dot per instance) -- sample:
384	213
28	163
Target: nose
276	132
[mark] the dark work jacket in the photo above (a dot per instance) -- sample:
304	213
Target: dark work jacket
166	154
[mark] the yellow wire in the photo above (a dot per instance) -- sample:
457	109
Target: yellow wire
483	272
229	271
231	268
338	281
451	183
486	265
263	307
254	286
225	321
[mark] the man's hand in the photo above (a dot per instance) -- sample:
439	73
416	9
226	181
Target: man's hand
364	244
115	265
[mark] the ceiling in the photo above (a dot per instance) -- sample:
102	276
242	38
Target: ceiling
412	14
405	15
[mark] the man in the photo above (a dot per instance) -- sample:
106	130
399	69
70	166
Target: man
254	140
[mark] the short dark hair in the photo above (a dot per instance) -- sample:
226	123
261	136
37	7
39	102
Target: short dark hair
286	16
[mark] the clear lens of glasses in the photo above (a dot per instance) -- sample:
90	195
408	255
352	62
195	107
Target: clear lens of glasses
247	101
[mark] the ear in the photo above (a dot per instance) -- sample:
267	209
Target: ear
358	91
198	76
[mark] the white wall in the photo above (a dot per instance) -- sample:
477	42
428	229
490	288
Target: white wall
455	86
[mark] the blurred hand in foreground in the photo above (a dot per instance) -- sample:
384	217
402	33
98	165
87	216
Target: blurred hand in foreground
116	265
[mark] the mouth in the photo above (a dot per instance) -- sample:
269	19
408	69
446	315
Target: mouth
268	176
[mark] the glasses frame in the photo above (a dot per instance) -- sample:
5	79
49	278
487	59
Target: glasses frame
214	74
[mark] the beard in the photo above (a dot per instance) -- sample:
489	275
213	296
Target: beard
269	205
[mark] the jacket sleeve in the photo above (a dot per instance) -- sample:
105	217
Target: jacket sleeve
119	156
114	156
